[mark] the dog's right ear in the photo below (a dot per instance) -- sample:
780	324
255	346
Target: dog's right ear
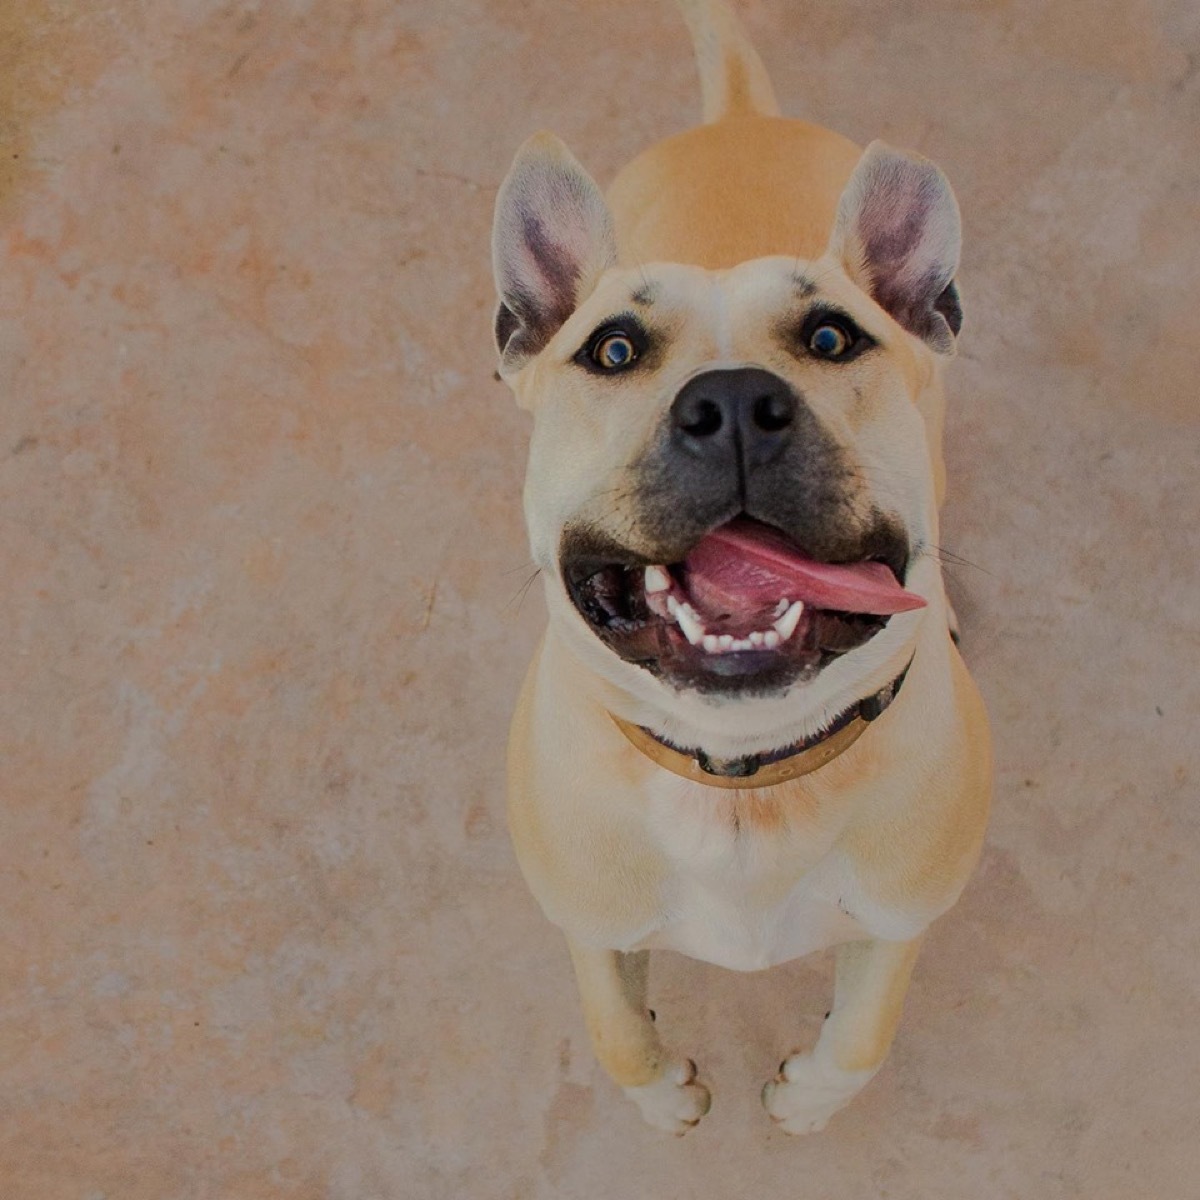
552	238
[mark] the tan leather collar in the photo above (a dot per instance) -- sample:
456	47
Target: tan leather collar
774	767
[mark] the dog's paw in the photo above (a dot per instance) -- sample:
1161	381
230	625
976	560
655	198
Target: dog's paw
675	1101
808	1091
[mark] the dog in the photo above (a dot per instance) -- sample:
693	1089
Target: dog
747	734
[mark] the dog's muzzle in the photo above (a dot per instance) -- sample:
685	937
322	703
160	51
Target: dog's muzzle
749	559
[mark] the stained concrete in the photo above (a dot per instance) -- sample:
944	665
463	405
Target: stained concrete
264	610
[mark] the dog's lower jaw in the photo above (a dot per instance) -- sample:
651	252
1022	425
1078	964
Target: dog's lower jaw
736	727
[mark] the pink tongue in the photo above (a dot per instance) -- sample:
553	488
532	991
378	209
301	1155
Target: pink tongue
744	568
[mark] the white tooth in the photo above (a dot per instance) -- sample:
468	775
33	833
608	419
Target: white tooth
712	643
786	625
657	580
781	607
726	641
742	644
756	638
689	622
771	639
672	606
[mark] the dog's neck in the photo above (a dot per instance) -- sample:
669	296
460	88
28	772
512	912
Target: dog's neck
770	767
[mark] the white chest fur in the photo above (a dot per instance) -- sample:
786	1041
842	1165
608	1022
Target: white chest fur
747	890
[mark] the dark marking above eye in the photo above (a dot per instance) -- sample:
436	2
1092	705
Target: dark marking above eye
645	295
803	286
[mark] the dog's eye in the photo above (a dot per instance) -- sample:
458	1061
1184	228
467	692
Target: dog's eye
829	341
614	351
832	335
614	346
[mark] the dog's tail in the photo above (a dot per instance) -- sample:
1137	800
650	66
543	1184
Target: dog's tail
733	80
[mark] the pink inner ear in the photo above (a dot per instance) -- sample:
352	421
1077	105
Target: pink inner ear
893	228
546	264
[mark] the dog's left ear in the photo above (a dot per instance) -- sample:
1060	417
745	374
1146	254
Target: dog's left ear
552	237
898	236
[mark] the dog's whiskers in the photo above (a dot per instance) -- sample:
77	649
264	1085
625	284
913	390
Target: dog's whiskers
519	596
942	555
519	567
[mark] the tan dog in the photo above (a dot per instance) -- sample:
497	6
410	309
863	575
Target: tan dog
735	473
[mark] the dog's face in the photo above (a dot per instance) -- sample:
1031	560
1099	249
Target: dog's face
708	445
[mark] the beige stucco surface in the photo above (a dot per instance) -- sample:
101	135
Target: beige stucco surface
262	933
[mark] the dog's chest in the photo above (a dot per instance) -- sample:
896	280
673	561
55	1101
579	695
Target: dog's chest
750	892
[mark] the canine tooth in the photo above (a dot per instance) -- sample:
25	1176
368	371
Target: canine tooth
689	622
657	580
755	639
712	643
786	625
771	639
657	603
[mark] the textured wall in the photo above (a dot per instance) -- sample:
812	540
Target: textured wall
263	935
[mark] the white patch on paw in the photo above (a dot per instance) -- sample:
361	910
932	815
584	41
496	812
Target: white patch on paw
675	1101
808	1091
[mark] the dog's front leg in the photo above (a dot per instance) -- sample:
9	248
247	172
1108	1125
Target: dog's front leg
613	989
870	982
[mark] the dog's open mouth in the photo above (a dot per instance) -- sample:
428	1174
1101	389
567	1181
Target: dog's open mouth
745	608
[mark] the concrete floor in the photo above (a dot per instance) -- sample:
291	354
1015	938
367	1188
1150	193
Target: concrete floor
263	932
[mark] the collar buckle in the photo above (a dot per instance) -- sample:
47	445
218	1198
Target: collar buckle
729	768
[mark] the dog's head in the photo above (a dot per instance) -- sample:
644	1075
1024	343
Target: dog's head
712	447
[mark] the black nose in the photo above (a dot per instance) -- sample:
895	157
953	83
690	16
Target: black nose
742	417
